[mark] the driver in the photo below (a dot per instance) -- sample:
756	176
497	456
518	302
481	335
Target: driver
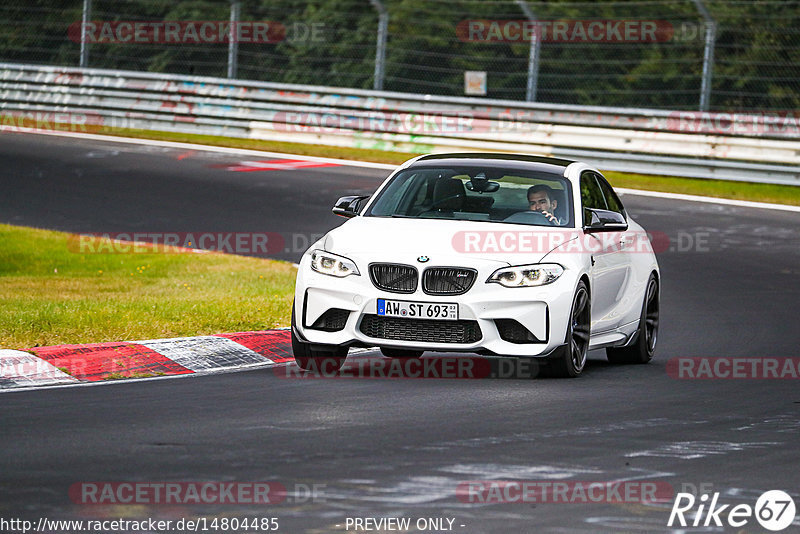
541	198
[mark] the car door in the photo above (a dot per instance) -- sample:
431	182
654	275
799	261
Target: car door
627	301
610	260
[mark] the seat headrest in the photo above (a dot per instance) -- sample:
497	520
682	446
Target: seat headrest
449	194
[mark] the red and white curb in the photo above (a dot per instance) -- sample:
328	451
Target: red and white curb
94	362
277	165
21	369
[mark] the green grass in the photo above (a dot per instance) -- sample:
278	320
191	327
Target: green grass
780	194
51	295
777	194
325	151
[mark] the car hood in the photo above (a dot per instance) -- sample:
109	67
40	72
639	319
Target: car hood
444	242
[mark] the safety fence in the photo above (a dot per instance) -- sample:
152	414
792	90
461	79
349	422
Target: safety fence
746	146
708	55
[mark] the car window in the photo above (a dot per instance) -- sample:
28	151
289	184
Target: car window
591	194
612	200
399	191
476	194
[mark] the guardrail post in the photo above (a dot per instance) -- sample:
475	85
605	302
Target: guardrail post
708	55
533	53
233	41
380	48
87	14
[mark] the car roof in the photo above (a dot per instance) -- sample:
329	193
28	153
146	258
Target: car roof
494	160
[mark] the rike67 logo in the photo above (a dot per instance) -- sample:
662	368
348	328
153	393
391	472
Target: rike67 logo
774	510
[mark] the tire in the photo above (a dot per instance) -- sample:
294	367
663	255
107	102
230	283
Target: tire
571	359
316	357
643	348
401	353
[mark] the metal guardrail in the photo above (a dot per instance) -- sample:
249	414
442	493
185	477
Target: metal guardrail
644	141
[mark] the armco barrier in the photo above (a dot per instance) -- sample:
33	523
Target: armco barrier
753	148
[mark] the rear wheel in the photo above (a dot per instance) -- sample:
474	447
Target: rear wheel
644	347
400	353
316	357
570	361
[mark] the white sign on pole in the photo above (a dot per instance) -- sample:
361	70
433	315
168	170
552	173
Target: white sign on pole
475	82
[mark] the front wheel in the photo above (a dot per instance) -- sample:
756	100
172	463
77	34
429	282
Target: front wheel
316	357
570	361
644	347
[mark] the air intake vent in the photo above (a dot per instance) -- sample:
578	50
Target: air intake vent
424	330
514	332
332	320
394	277
448	280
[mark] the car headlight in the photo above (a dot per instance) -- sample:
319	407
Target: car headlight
537	274
332	264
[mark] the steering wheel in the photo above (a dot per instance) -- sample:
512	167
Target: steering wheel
535	218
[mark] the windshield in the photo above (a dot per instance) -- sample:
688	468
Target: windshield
477	194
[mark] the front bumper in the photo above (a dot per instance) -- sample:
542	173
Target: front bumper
543	311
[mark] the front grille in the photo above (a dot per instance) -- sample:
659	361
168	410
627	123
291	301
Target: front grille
394	277
513	332
448	280
430	331
332	320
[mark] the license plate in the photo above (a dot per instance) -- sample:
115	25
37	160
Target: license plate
418	310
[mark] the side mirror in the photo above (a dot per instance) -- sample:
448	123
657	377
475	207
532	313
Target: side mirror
348	206
597	220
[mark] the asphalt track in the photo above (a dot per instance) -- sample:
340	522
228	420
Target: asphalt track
400	447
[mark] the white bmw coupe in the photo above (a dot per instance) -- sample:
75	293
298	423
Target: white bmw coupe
499	254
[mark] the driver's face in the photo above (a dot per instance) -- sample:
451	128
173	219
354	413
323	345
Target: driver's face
540	202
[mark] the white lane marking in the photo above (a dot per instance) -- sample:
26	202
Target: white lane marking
692	450
536	437
636	524
414	490
280	165
277	165
371	165
205	148
205	353
494	471
711	200
22	369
